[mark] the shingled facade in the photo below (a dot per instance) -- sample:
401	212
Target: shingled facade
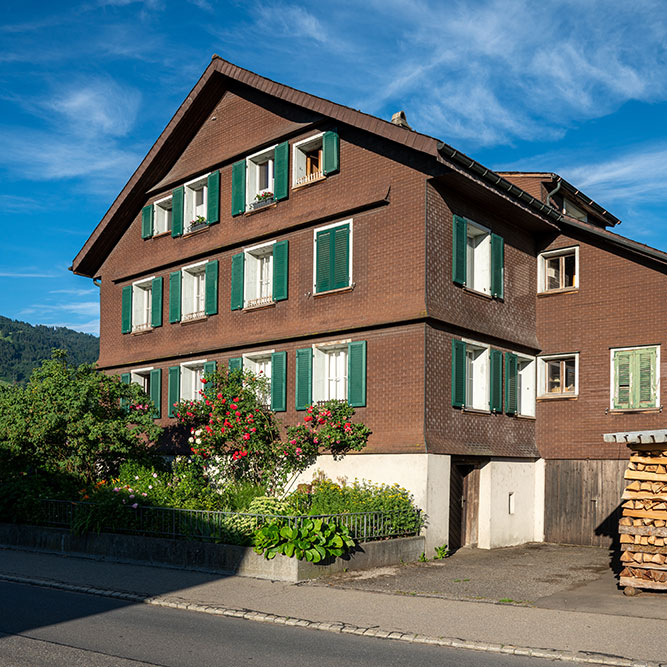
487	327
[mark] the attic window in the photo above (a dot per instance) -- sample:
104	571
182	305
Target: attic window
315	158
572	210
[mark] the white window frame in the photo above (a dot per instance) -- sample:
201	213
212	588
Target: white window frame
525	396
187	276
542	375
250	362
252	277
162	215
612	387
321	384
480	378
253	161
189	190
142	377
479	279
141	312
299	149
189	370
350	250
542	269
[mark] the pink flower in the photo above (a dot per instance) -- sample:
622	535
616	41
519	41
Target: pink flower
246	436
134	507
155	474
144	494
292	442
132	495
219	396
116	489
298	451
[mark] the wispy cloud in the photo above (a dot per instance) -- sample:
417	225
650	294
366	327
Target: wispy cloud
26	274
19	204
75	292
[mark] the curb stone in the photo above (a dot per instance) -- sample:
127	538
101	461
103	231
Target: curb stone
577	657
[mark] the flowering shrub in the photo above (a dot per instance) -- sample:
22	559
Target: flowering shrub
231	426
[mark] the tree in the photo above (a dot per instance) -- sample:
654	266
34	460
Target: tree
76	420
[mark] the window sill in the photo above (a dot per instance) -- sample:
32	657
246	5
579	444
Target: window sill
161	234
141	332
477	411
300	186
559	397
530	418
261	306
194	232
556	292
340	290
624	411
190	320
477	293
259	210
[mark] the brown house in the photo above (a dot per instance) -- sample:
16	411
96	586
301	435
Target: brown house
487	327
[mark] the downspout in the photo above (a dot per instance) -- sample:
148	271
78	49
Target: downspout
554	191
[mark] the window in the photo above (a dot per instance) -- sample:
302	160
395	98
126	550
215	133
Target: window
332	260
260	365
330	372
162	216
477	376
195	203
315	158
273	366
150	380
192	373
571	209
558	270
260	178
478	258
259	275
142	377
193	292
142	305
558	375
635	381
520	386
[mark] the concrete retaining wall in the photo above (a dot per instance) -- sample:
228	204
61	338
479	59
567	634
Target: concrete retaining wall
218	558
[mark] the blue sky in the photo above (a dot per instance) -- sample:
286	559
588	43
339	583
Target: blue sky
573	86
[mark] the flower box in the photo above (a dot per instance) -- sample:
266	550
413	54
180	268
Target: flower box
261	203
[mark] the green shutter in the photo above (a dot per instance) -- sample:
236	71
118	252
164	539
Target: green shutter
156	302
622	373
496	393
459	250
177	197
236	364
125	378
304	378
209	370
323	261
330	148
279	381
458	373
356	374
281	171
126	309
213	198
497	265
173	388
511	384
211	294
280	270
156	391
147	221
238	262
175	297
341	257
238	187
645	369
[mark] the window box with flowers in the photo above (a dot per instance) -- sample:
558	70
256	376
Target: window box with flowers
198	223
262	199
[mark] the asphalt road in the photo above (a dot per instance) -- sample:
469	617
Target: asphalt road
41	626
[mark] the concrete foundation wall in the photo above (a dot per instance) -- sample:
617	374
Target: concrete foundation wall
511	503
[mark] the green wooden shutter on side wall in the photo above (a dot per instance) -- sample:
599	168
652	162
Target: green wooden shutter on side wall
323	261
156	391
645	369
126	309
622	373
238	262
496	393
331	149
356	373
281	171
156	302
458	373
280	270
304	378
235	364
125	378
147	221
177	202
238	187
511	384
279	381
459	257
211	289
341	257
175	297
213	198
209	369
173	388
497	266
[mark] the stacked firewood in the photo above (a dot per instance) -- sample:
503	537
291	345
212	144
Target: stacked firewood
643	526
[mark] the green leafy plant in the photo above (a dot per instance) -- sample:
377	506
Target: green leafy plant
423	558
315	540
441	552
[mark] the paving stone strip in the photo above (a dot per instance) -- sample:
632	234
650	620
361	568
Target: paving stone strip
580	657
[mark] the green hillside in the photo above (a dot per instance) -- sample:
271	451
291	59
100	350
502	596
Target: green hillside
24	347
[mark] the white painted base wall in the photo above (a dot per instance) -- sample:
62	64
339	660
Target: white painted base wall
426	476
511	503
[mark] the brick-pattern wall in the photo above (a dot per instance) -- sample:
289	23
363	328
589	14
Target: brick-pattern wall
620	302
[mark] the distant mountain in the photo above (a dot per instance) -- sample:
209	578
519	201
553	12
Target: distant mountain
23	347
